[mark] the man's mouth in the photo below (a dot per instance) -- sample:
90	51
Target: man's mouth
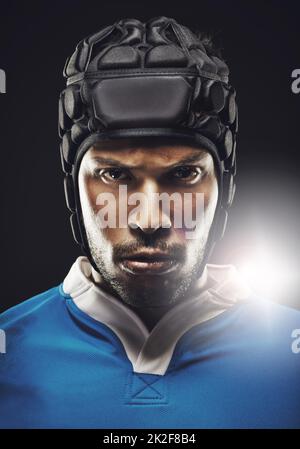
149	263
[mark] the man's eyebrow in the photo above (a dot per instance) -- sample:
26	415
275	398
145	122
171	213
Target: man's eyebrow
113	162
116	163
192	158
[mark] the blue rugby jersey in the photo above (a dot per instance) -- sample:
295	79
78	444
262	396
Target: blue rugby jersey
78	358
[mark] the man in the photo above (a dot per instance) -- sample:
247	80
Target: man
143	332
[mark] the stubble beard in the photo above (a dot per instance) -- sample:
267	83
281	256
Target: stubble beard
165	292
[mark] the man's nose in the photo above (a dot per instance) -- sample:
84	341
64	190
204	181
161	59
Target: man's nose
137	223
150	216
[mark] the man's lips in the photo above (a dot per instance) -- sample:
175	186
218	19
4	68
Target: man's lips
149	262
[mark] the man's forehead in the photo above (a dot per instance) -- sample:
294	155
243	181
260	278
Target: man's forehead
154	150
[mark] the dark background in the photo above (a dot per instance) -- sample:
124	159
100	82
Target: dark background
261	41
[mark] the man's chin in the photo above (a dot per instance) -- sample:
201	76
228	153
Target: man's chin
145	298
152	291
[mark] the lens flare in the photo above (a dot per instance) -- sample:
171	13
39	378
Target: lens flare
267	270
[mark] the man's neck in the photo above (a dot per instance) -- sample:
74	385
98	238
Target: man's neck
150	316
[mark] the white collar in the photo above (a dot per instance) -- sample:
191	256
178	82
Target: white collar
151	352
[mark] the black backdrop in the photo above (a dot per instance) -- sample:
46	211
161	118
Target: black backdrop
261	41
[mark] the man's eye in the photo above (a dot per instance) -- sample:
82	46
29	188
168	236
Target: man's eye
186	173
112	174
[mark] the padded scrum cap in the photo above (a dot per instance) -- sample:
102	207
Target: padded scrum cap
135	79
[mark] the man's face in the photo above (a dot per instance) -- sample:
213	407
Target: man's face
124	254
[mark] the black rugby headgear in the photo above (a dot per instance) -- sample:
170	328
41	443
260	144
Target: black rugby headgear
134	79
